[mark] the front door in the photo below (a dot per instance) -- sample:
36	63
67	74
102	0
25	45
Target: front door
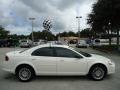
70	62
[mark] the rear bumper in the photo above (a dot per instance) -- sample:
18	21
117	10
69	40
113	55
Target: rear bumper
8	70
7	67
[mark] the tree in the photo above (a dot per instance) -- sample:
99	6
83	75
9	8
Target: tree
63	34
3	33
70	33
86	33
105	17
66	34
45	34
18	37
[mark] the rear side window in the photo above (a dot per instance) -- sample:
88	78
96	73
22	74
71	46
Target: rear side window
46	51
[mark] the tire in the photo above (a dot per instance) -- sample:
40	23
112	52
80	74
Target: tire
25	73
98	72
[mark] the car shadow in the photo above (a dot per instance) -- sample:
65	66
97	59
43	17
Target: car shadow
12	77
61	78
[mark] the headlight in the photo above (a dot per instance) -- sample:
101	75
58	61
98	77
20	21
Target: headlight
110	62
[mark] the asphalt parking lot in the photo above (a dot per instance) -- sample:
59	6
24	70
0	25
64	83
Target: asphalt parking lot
112	82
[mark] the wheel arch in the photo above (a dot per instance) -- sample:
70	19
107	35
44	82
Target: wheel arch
98	64
25	64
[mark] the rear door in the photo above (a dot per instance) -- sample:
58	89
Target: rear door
44	61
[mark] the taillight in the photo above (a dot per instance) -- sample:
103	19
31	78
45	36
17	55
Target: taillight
6	58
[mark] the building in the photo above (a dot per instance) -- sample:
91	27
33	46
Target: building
70	39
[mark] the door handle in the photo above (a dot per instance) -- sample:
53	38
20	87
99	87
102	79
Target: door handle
77	59
61	60
34	59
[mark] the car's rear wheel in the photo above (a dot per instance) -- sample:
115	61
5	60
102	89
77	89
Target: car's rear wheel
98	73
25	73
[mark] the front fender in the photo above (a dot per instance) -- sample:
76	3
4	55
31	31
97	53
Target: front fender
90	64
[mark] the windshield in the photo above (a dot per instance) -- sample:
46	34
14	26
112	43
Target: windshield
85	54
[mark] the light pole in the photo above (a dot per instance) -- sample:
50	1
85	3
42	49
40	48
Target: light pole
32	19
79	17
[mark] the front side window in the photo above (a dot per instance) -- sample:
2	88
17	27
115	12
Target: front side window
63	52
46	51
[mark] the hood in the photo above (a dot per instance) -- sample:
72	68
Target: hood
99	57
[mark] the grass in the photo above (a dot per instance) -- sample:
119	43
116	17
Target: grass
107	48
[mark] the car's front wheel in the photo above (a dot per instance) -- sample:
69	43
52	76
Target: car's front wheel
98	73
25	73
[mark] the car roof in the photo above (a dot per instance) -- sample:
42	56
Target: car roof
52	45
44	45
48	45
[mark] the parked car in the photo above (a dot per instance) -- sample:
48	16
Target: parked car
96	43
3	43
8	42
25	43
36	43
39	42
81	43
51	59
57	42
12	42
73	41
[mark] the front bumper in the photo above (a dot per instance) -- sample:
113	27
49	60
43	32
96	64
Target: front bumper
111	68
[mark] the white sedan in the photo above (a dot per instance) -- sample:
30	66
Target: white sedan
56	60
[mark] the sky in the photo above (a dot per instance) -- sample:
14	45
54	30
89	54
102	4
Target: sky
15	14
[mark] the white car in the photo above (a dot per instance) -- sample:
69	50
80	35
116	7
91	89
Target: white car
82	43
96	43
56	60
39	42
25	43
